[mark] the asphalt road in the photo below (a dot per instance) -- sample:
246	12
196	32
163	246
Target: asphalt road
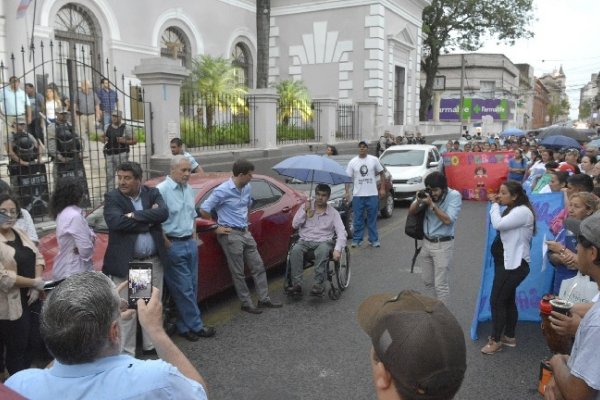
314	348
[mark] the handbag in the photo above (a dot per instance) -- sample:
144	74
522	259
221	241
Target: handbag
414	229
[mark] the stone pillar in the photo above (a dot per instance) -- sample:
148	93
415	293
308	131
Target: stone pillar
367	114
326	120
161	79
263	118
437	98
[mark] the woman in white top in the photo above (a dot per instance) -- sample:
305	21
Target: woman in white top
510	250
52	105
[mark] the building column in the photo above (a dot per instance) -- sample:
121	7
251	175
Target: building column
263	118
161	79
367	120
325	122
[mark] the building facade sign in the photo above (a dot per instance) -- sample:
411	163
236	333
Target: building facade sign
475	109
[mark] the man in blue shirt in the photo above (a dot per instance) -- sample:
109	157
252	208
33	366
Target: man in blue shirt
231	200
108	101
181	272
80	324
443	205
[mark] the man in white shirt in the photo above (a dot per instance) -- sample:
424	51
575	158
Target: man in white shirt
363	169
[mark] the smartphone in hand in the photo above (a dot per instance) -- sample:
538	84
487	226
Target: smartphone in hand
139	282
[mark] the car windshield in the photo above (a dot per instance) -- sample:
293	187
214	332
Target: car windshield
403	158
96	221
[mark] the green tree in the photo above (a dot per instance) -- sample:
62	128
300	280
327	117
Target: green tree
558	108
585	110
464	24
293	99
214	79
263	28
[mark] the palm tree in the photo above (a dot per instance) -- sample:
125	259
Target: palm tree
293	100
214	79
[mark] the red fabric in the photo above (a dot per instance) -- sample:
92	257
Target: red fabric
475	174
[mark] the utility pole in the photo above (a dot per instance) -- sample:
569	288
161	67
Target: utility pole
462	93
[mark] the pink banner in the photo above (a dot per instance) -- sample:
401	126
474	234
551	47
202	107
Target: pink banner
475	174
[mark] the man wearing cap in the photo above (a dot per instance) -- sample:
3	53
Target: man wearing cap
117	138
418	347
363	169
578	376
64	146
23	152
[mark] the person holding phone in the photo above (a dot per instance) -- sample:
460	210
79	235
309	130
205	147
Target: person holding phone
21	266
81	327
181	273
515	225
134	213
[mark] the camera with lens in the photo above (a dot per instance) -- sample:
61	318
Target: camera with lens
421	194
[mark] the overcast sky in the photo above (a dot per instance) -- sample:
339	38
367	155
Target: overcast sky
567	33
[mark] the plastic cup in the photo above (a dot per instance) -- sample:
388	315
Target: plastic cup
561	306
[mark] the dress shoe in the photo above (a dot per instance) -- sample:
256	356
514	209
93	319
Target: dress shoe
317	290
191	336
206	331
269	304
295	290
251	309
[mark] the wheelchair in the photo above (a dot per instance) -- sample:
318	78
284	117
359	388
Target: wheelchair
337	272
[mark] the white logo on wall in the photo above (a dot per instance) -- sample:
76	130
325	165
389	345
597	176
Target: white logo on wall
320	47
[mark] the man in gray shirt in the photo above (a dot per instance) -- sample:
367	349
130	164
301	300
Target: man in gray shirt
87	108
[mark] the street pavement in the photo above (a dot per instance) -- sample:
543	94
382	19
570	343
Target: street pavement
314	348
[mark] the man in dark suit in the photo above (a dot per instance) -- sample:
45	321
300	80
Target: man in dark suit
134	213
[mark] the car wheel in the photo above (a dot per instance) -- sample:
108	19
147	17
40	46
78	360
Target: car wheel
388	210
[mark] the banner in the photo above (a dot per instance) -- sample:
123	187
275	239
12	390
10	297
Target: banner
539	280
474	109
475	174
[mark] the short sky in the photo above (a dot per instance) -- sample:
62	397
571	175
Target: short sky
567	33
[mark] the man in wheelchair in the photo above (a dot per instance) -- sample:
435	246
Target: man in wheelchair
321	229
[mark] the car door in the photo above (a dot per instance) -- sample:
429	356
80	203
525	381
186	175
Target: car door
270	221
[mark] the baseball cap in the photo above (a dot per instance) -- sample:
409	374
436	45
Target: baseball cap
117	113
589	228
419	341
363	142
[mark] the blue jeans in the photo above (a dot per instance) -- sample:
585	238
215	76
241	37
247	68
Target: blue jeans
181	277
359	205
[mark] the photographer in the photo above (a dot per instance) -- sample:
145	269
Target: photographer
443	205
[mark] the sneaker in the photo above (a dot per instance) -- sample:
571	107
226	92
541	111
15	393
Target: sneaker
375	244
295	290
508	341
355	244
317	290
491	347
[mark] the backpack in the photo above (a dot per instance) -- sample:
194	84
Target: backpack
67	144
25	147
414	229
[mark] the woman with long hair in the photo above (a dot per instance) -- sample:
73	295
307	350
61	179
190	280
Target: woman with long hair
331	151
517	166
74	236
21	266
52	105
510	250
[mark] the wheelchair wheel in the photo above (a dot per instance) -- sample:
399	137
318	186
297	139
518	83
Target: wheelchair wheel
342	269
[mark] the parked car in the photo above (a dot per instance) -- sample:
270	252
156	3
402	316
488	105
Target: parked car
409	165
275	204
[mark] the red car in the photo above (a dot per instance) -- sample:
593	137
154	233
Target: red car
275	205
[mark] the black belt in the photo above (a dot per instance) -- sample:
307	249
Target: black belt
440	239
143	258
238	228
179	239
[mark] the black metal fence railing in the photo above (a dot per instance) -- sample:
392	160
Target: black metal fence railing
346	122
215	122
295	122
57	91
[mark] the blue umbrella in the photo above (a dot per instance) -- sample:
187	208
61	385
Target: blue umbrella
313	168
513	132
560	142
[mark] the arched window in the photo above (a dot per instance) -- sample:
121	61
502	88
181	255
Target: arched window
77	37
242	61
175	44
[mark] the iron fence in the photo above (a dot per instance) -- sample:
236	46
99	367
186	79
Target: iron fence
214	122
39	83
297	121
346	122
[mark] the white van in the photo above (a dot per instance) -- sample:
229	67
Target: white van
409	165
